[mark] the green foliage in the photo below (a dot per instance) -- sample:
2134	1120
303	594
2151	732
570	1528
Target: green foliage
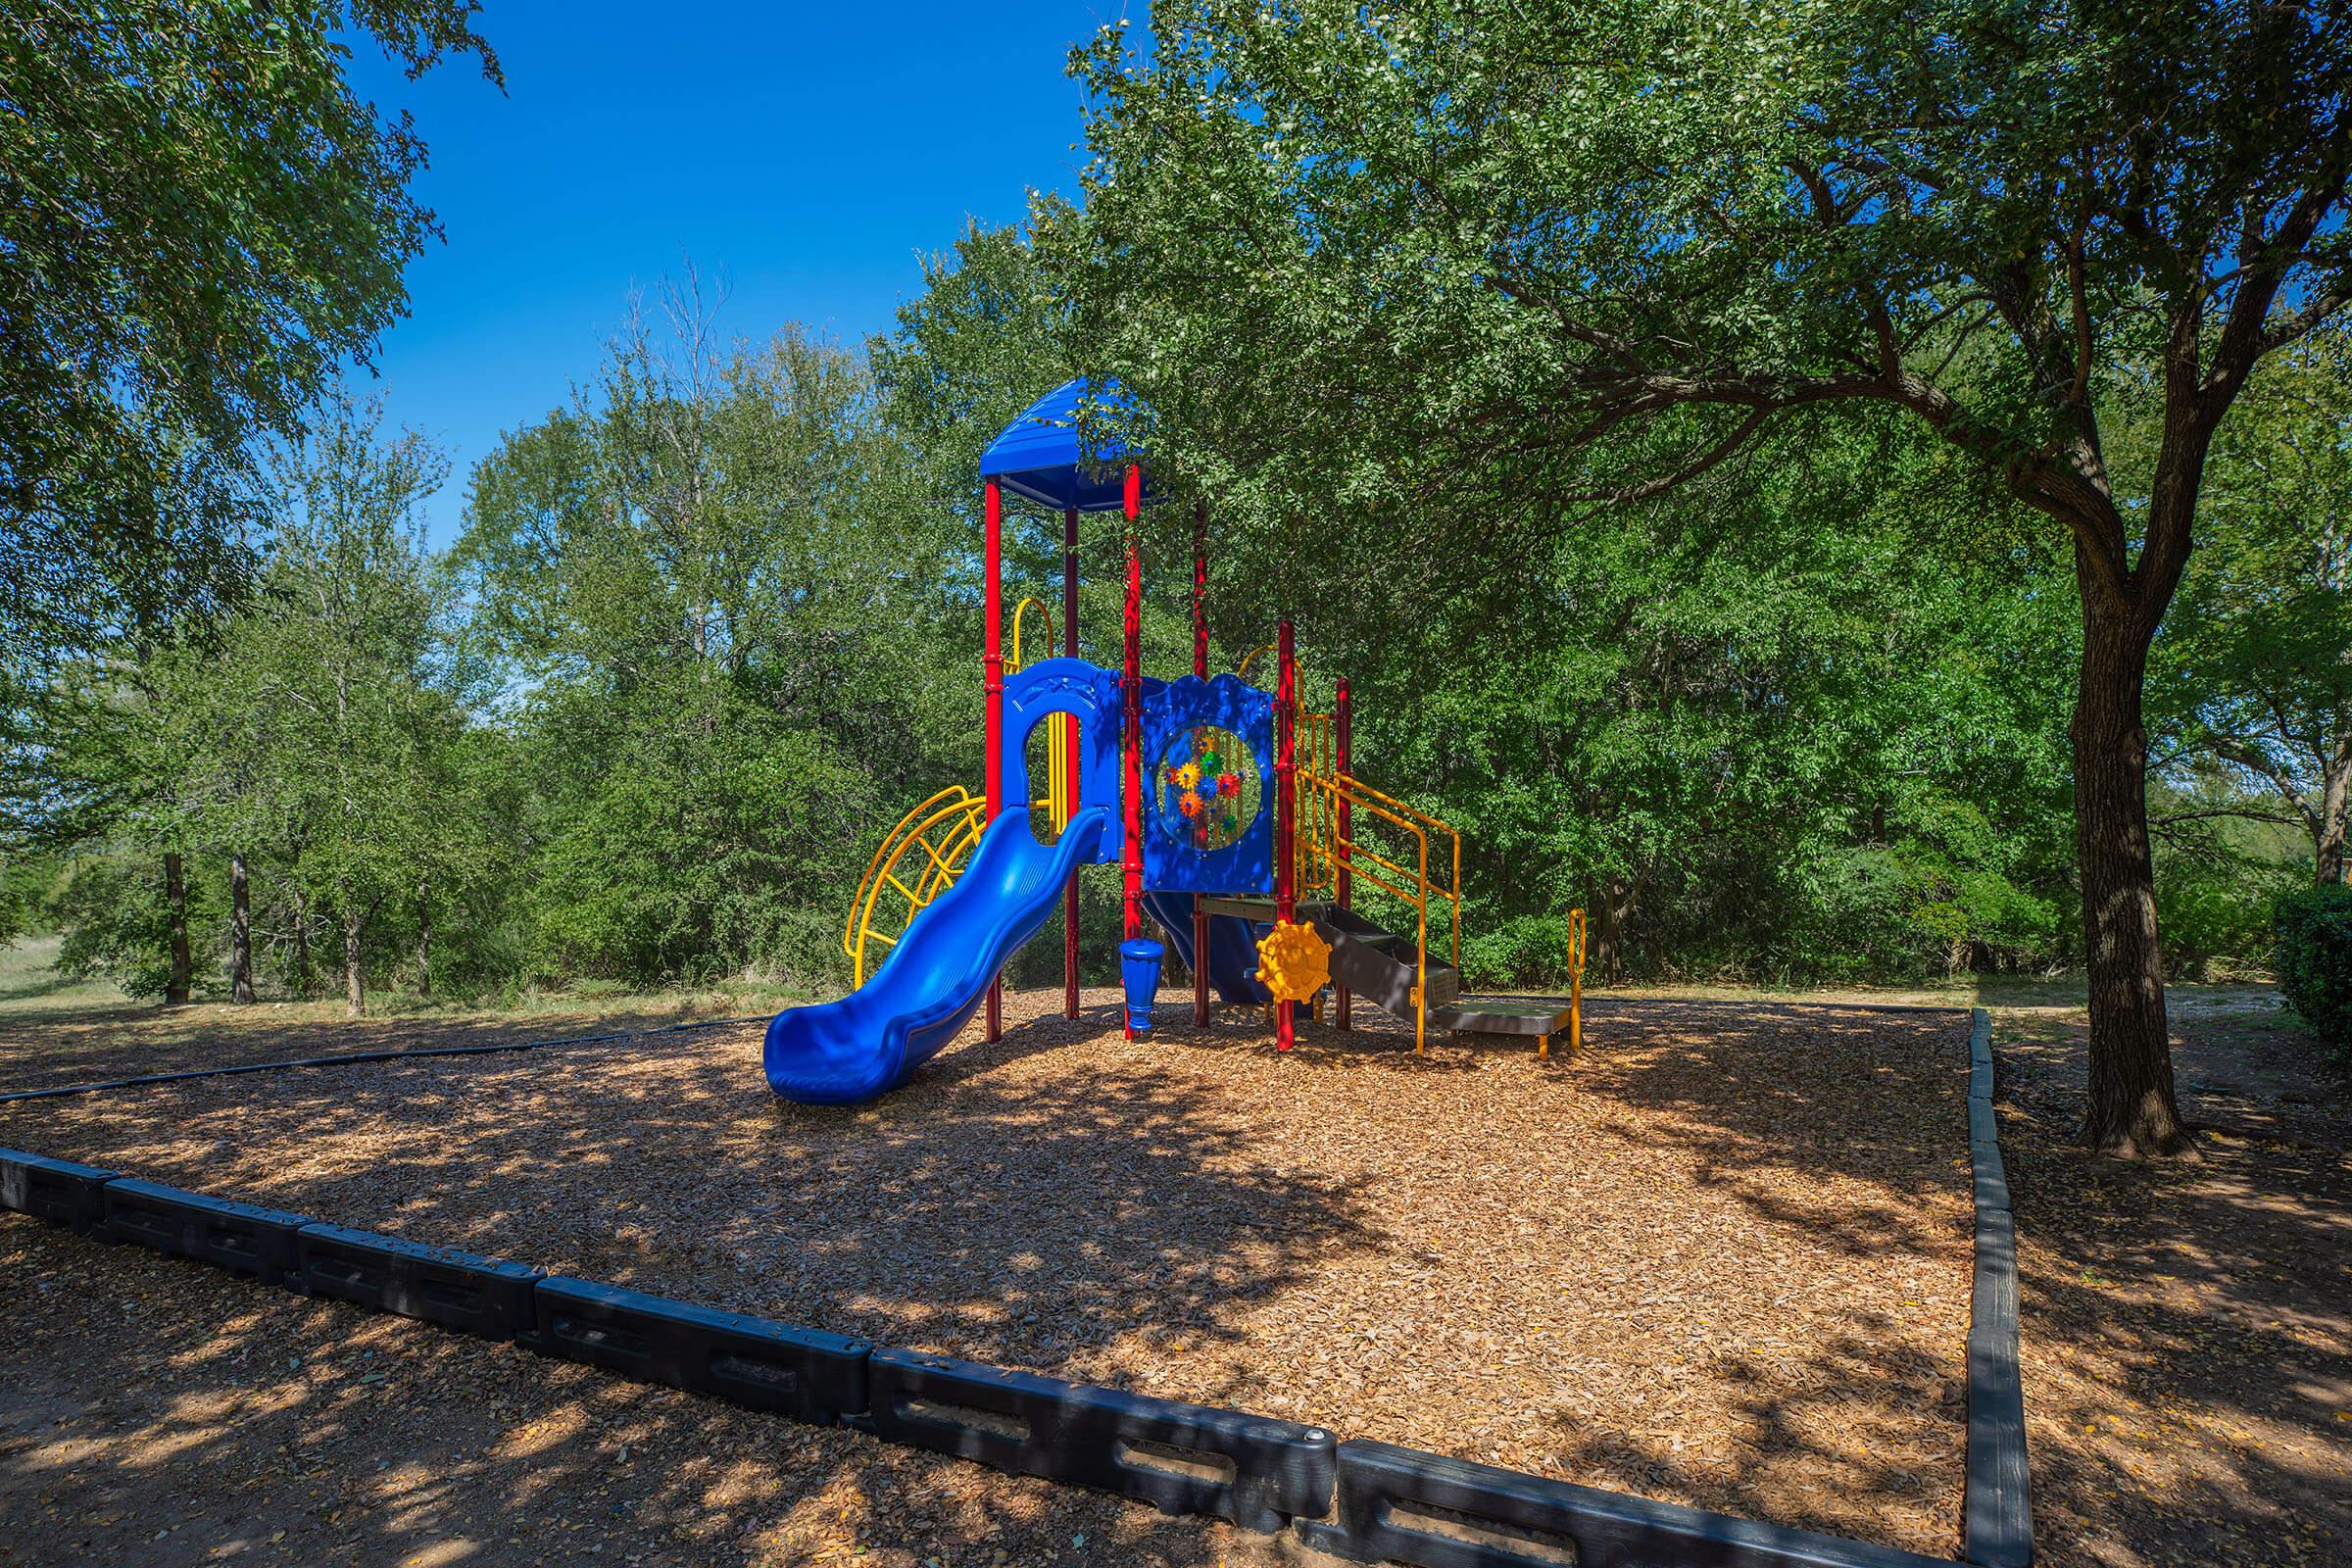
202	222
2314	962
730	610
117	923
2251	683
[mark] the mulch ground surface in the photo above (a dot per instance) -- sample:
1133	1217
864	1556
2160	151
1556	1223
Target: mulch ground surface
2188	1352
1721	1259
52	1049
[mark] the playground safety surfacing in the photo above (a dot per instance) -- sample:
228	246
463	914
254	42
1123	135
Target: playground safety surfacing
1724	1259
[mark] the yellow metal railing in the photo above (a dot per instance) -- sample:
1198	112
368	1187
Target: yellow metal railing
1576	989
1323	850
944	828
1057	800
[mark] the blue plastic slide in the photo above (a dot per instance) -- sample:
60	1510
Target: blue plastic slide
866	1044
1232	946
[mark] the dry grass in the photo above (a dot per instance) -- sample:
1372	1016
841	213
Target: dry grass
1724	1259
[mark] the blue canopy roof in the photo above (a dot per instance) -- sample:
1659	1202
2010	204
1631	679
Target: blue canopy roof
1037	454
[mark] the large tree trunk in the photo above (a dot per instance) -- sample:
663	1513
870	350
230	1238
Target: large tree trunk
175	898
240	932
1615	908
302	943
2134	1109
355	994
2330	859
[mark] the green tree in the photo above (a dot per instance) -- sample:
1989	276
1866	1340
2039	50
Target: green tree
1419	262
343	731
2256	669
199	221
715	580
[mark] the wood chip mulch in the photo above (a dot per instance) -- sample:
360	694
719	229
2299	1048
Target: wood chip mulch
1721	1259
2187	1324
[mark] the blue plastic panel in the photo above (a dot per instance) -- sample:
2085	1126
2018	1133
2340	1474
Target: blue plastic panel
1171	714
1091	693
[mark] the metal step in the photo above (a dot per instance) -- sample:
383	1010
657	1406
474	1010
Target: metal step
1378	964
1502	1015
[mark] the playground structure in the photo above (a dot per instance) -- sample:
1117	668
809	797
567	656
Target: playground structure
1239	825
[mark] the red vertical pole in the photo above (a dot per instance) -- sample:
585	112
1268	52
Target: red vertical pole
1199	668
1131	686
992	707
1285	767
1343	724
1069	752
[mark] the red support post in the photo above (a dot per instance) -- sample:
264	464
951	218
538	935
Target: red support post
1343	724
1199	668
1286	768
1132	738
992	706
1069	752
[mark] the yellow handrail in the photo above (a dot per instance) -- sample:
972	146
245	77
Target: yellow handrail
1322	850
1251	657
955	817
1576	988
1045	614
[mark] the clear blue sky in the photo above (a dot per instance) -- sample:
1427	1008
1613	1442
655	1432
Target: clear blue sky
809	153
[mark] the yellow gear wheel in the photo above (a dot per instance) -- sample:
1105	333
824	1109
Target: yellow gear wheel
1294	962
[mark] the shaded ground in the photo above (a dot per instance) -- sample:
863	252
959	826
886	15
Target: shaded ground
162	1413
1722	1259
56	1031
2188	1325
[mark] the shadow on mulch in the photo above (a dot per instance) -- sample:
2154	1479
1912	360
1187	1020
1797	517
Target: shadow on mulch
1125	1204
161	1414
2187	1332
51	1050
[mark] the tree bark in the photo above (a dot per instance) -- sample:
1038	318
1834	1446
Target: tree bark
240	932
302	943
1616	908
178	987
2133	1108
355	994
425	937
2330	858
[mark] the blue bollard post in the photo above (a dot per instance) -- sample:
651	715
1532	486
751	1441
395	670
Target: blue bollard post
1139	971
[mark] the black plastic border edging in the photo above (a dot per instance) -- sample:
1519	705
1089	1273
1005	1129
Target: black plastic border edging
1402	1505
1185	1459
1997	1527
360	1057
1393	1505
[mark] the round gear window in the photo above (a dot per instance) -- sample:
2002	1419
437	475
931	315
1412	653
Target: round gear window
1206	788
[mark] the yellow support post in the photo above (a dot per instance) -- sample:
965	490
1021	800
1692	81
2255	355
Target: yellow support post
1576	983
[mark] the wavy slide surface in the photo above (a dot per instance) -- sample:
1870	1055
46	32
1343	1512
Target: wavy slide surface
867	1043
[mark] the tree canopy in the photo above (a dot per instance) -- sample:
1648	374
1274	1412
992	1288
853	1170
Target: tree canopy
1485	270
200	221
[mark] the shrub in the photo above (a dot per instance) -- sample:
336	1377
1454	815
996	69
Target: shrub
2314	959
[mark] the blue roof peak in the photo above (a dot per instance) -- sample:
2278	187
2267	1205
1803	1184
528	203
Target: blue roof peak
1039	456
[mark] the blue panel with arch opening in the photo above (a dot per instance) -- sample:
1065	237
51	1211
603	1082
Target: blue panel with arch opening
1091	693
